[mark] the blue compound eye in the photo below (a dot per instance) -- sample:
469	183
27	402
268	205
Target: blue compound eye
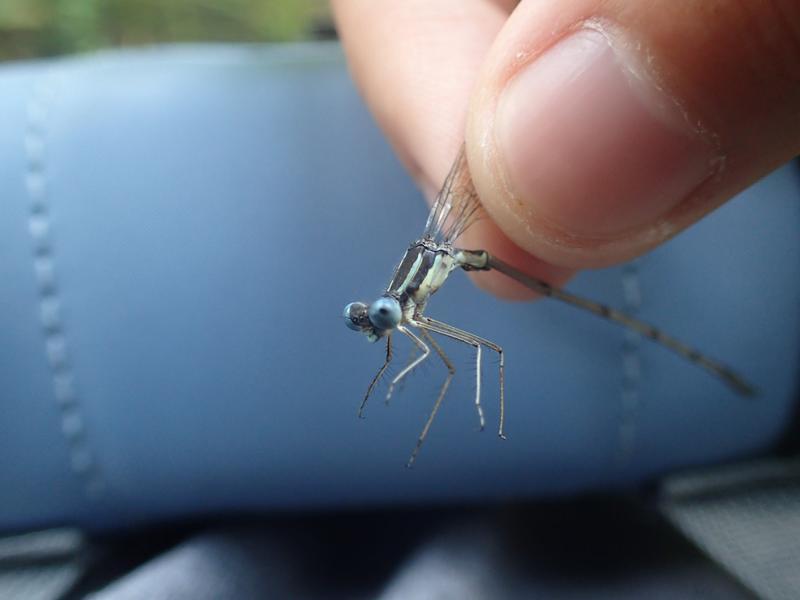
355	316
385	313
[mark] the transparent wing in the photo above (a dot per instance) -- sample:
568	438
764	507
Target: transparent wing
457	205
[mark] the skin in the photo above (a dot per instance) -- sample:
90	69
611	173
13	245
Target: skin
435	73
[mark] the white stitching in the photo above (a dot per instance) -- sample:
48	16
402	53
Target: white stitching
56	348
631	367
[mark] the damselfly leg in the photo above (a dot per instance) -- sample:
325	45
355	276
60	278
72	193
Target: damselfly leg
413	365
412	355
451	371
475	341
377	377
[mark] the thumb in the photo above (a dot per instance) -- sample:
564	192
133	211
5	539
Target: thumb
599	129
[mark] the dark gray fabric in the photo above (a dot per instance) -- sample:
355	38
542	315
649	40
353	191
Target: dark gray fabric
746	517
474	563
210	566
40	566
592	550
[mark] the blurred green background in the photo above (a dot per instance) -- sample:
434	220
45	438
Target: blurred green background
32	28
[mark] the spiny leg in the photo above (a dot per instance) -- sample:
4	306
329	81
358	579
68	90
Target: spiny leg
425	352
482	260
478	385
451	370
377	377
477	347
411	356
473	340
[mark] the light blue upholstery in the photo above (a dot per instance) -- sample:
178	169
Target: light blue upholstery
180	229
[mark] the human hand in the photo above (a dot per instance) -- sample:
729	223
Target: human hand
595	129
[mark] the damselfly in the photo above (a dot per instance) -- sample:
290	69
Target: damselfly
423	270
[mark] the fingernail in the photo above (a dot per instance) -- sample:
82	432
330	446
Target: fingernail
591	144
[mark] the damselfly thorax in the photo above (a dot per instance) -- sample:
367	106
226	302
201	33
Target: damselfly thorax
423	270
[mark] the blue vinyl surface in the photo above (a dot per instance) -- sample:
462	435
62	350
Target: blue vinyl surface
180	229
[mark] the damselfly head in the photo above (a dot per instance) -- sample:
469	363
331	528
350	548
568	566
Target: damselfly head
385	313
356	317
375	320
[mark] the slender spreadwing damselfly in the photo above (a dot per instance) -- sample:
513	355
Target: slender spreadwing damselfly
423	270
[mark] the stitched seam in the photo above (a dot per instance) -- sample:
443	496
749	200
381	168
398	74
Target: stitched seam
73	427
630	403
